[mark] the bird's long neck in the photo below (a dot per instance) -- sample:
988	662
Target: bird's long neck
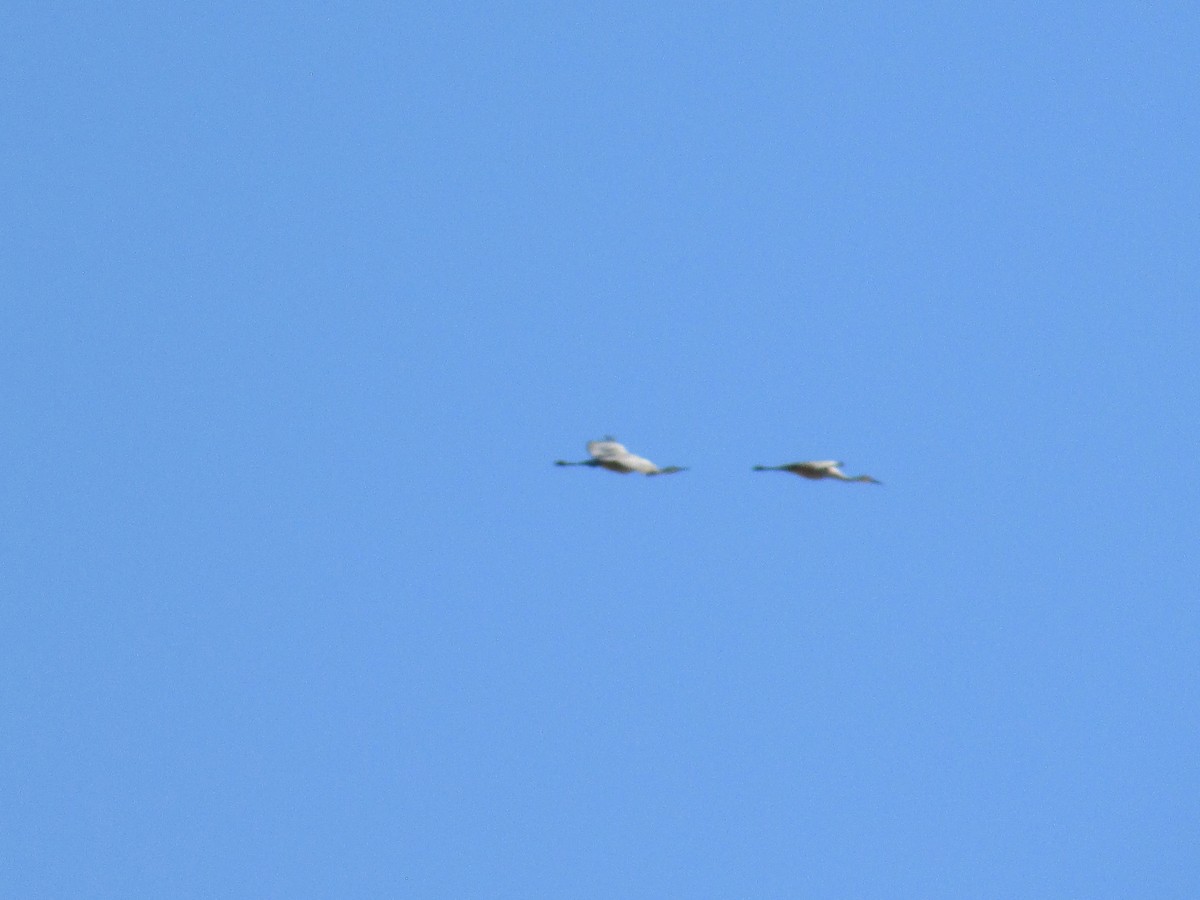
768	468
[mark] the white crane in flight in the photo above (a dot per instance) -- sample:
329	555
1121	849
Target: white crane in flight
817	469
608	454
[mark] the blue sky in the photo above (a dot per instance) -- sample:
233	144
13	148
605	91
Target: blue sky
304	299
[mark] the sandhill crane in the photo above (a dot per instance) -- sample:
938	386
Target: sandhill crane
822	468
608	454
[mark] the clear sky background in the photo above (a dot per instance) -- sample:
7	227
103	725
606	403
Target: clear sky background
301	301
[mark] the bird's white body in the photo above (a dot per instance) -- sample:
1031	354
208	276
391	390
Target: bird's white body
614	457
828	468
608	454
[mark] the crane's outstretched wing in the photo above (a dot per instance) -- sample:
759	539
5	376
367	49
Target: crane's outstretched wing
606	449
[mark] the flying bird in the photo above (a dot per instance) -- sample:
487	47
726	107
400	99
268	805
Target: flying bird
823	468
608	454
